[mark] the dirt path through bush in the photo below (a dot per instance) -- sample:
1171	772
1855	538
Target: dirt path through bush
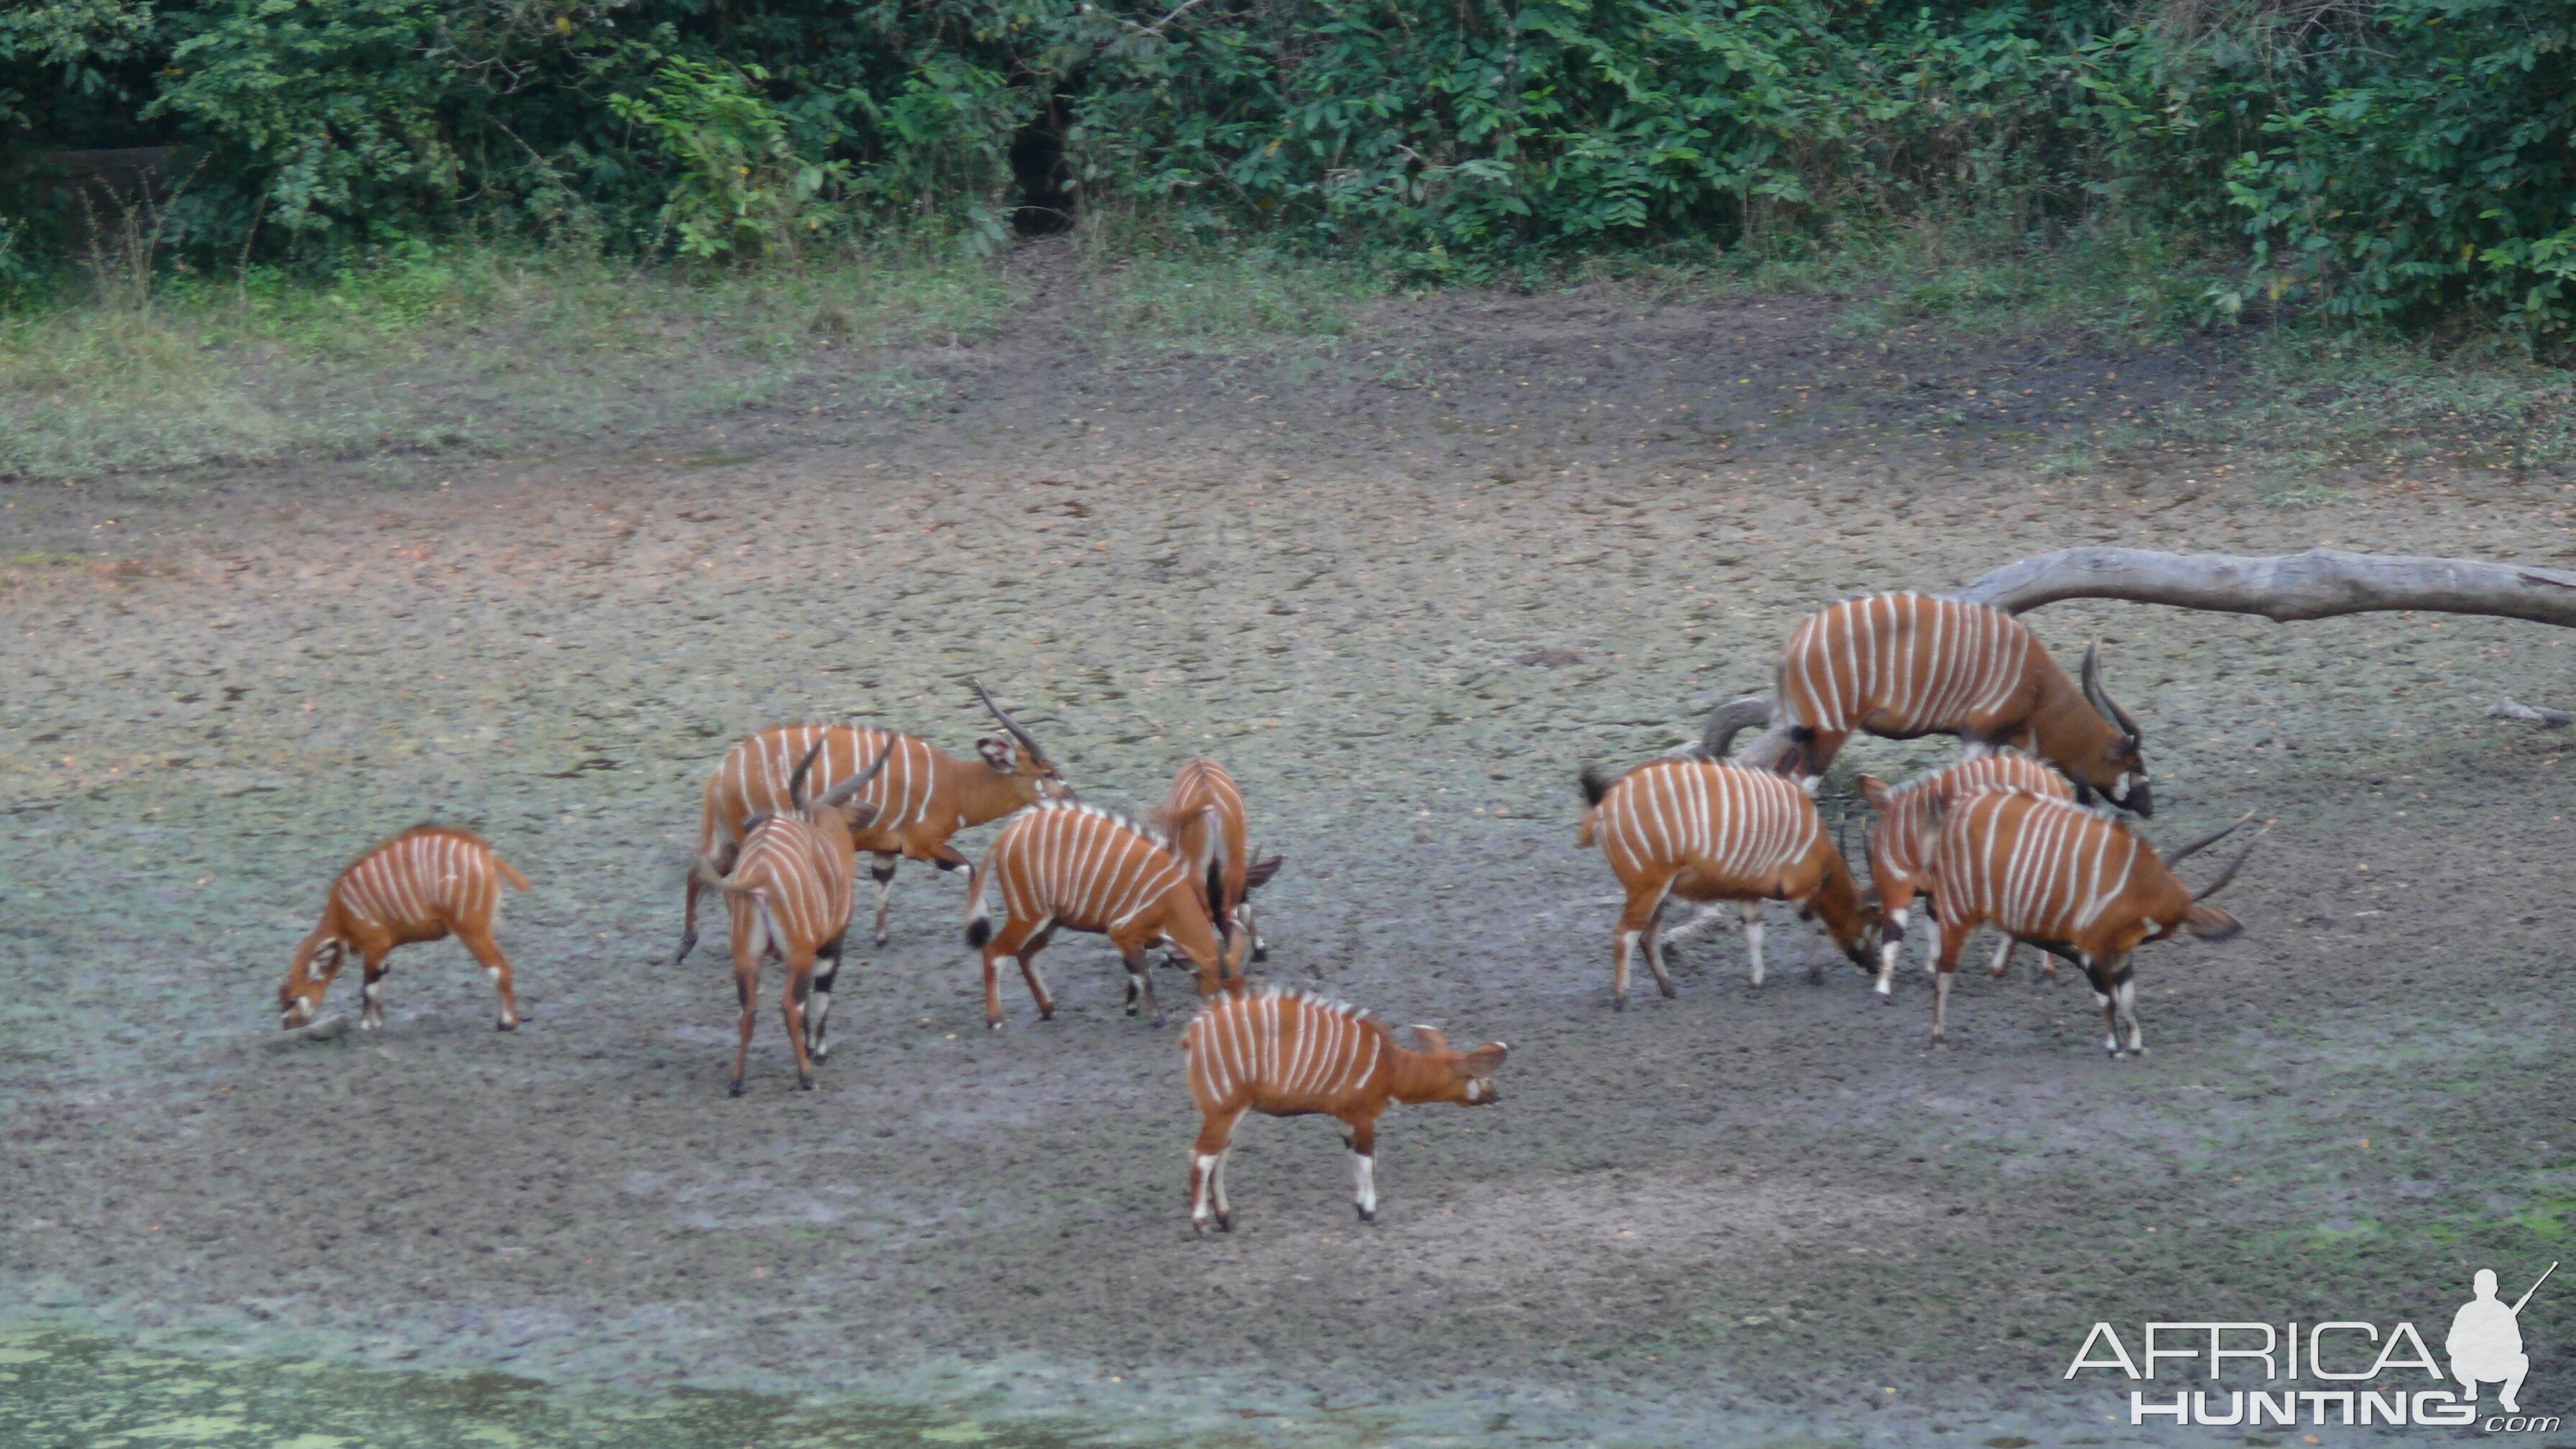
1404	595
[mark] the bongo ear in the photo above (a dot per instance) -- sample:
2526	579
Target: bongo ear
999	754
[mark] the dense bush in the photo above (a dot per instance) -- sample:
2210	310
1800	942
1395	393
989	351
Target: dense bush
2386	160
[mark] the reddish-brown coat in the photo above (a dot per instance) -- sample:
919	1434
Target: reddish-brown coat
1709	830
2069	881
924	796
426	883
1291	1054
790	897
1211	828
1082	867
1905	665
1900	849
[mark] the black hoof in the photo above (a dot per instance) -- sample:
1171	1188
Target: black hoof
505	1026
805	1080
1618	1003
1666	988
736	1090
1368	1216
1260	953
1225	1222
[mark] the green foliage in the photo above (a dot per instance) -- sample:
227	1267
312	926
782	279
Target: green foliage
2387	162
2430	169
377	119
1489	129
741	189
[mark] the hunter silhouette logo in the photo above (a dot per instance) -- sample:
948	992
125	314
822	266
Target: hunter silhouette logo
2486	1340
2363	1373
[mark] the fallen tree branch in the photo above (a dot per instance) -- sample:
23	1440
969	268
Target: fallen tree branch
2545	718
2319	584
2322	583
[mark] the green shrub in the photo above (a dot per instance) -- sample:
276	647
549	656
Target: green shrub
740	188
2390	162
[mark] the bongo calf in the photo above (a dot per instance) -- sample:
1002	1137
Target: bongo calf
1900	849
1081	866
1709	830
1210	828
1292	1054
790	897
426	883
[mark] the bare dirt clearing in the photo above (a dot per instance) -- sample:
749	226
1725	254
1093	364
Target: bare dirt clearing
1404	596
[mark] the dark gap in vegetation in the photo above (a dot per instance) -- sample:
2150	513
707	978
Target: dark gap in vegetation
1037	162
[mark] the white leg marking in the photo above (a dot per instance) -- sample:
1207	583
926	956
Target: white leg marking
1364	1168
1205	1165
2003	957
1753	937
1707	916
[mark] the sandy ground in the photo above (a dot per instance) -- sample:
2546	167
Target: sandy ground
1404	599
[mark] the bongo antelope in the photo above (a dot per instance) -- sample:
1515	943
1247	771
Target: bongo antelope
2073	883
1707	830
1291	1054
1905	665
1205	817
1059	865
926	795
789	891
1900	849
419	886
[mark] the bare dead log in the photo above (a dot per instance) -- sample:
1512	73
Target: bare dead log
2322	583
2319	584
2545	718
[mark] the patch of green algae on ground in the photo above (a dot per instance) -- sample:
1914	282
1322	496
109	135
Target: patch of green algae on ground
72	1391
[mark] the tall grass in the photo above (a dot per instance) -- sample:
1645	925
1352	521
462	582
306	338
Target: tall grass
1189	297
500	350
473	347
2317	402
